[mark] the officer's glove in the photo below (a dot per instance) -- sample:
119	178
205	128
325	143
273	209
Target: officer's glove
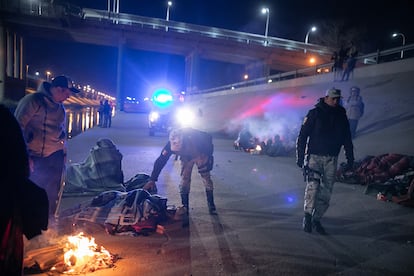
150	187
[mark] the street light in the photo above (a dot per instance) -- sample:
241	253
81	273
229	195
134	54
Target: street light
313	29
267	12
48	74
167	18
403	41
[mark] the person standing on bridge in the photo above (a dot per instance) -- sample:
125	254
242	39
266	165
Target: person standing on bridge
194	147
324	131
42	118
351	60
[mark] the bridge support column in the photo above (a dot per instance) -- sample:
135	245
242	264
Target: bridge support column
119	94
192	70
258	69
12	84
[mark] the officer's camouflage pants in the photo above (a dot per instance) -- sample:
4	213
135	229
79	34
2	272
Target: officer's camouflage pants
187	165
319	185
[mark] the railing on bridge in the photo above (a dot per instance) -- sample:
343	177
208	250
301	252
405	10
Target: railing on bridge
46	9
58	10
212	32
388	55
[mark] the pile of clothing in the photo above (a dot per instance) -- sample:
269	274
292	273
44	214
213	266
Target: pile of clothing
391	175
136	212
101	171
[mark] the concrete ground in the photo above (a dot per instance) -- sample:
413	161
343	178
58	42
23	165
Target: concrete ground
259	198
258	227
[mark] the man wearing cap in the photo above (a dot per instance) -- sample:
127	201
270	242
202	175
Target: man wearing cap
324	131
42	118
194	147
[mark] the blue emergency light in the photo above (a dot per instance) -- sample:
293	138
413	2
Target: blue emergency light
162	98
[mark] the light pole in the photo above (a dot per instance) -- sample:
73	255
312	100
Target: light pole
267	12
167	17
403	41
312	29
27	78
48	74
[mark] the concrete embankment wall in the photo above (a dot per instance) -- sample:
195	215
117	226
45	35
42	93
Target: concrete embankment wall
279	107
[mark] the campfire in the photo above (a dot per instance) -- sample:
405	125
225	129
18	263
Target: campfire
72	255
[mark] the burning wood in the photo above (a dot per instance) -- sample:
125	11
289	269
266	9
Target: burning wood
73	255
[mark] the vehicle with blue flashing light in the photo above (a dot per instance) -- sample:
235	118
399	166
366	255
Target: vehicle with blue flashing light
168	113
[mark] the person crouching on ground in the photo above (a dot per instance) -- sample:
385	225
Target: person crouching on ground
194	147
324	131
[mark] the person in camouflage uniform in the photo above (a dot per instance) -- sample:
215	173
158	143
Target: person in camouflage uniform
324	131
194	147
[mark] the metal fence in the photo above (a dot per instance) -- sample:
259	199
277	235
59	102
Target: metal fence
388	55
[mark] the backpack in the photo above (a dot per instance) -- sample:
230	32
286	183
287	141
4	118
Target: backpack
206	142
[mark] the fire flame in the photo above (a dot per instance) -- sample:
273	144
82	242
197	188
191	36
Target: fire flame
82	255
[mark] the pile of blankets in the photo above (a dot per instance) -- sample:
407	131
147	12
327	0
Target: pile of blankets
391	175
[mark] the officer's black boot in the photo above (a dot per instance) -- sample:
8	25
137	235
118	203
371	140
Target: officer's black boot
318	227
186	218
210	202
307	223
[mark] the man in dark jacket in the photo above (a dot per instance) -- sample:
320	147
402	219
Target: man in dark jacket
324	131
194	147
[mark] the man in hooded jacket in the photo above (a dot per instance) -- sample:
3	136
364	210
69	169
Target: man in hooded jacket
324	131
354	106
42	117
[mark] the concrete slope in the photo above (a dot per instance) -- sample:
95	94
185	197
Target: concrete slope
278	108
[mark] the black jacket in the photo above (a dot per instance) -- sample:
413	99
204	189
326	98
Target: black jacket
328	130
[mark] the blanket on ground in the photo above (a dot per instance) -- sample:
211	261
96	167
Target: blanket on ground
390	174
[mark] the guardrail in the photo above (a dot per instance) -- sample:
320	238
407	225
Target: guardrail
211	32
363	60
46	9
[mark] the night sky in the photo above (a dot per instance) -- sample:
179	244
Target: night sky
291	19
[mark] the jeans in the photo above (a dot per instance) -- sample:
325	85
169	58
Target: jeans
47	174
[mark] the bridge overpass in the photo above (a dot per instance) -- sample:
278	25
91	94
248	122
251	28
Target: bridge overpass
259	54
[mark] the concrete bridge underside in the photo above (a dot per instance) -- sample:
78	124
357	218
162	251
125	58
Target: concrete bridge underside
255	57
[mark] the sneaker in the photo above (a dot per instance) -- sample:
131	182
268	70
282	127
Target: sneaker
318	227
307	223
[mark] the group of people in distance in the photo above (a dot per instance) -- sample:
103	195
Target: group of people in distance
344	57
105	114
